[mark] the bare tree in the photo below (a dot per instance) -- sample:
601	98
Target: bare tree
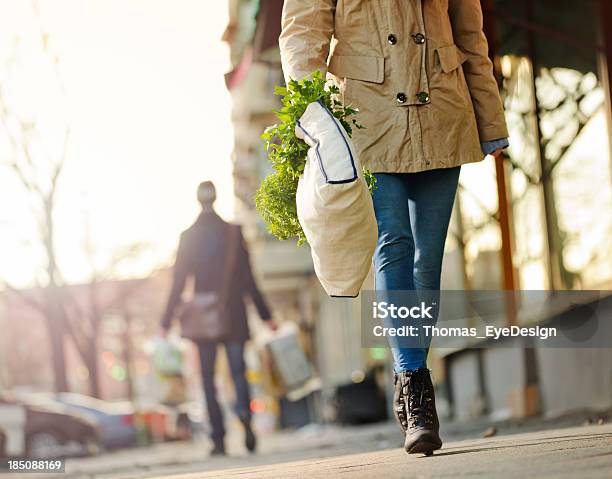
84	318
39	172
43	193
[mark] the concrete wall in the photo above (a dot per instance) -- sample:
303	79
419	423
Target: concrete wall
574	379
465	385
504	373
568	380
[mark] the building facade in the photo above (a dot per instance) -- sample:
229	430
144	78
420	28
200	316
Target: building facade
537	219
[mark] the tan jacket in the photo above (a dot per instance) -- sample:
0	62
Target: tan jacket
399	61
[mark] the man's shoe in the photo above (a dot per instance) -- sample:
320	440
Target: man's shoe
218	449
250	441
416	394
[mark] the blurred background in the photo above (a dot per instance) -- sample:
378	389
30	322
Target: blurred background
112	112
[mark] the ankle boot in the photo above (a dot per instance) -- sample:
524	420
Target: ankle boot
399	405
416	411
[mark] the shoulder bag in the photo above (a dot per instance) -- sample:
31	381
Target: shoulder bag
205	317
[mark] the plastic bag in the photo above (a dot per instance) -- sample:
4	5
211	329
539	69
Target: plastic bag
286	370
167	357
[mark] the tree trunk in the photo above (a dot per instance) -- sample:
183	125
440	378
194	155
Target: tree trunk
56	318
92	363
128	354
55	327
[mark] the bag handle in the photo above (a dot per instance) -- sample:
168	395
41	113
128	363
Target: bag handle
229	264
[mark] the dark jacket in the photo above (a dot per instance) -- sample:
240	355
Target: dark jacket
202	254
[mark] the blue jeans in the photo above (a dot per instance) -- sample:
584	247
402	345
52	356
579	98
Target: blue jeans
413	212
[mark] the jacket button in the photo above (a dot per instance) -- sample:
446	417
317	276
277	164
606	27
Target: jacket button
422	96
419	38
392	39
401	98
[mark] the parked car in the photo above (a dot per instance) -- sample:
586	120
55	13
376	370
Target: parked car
120	424
45	431
116	420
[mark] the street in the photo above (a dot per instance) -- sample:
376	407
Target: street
368	451
240	238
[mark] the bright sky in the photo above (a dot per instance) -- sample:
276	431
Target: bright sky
149	115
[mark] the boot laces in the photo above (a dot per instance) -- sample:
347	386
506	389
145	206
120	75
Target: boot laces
420	402
401	407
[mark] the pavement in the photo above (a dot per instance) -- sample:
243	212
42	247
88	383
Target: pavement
584	452
549	450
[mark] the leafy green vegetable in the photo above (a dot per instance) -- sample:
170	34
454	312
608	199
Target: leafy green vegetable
275	198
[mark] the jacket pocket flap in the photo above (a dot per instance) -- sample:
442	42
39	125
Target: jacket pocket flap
356	67
450	57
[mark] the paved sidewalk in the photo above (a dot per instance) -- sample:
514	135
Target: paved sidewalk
312	441
584	452
370	451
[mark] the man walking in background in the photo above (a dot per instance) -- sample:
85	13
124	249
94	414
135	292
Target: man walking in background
202	253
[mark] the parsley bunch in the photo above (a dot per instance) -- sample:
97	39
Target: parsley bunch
275	198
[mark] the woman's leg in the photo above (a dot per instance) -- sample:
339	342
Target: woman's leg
431	196
409	256
393	258
394	255
413	212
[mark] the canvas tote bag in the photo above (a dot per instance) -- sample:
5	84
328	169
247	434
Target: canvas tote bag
334	205
205	317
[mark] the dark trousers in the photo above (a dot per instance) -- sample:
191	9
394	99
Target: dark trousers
235	356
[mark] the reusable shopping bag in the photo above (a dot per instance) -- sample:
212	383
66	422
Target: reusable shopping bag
334	206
